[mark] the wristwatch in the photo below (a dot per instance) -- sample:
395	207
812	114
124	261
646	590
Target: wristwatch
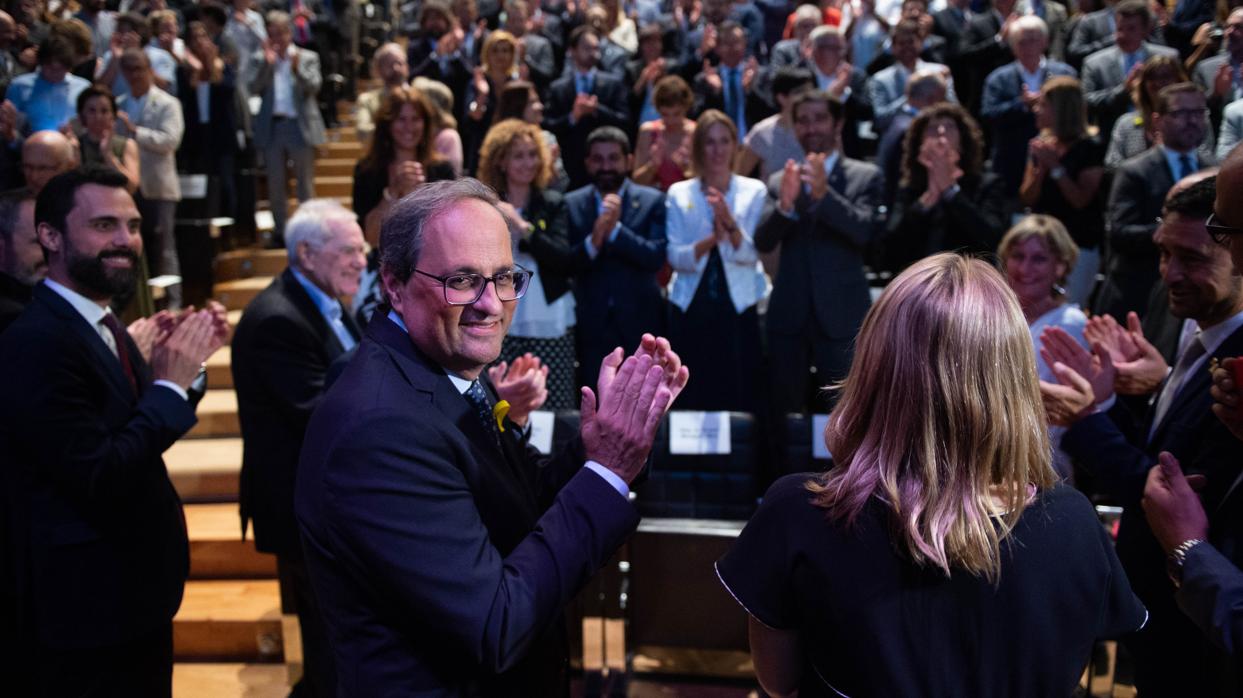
1174	563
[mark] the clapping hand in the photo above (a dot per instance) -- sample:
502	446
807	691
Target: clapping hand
791	185
405	176
1069	398
145	331
1227	402
712	77
1171	504
814	176
723	225
841	79
1043	153
619	423
523	384
749	70
1057	346
584	105
178	356
610	214
1139	364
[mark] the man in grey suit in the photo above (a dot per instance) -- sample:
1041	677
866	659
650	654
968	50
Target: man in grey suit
1139	189
820	294
790	51
1093	32
153	118
887	88
537	54
1221	76
289	125
1109	73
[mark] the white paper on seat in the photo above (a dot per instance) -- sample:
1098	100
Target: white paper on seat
541	423
819	449
698	433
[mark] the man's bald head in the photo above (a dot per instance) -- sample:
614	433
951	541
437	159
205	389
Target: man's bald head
1228	206
45	154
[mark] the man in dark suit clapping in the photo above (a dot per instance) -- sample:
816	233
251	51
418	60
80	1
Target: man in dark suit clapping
288	337
617	239
583	100
823	227
441	546
97	542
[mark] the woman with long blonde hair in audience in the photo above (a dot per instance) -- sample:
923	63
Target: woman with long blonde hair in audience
500	62
710	222
515	162
938	555
1065	169
662	153
399	158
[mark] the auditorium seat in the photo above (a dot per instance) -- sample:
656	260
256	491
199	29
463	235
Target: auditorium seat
703	486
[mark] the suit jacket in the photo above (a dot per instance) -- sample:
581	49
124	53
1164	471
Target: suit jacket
549	241
14	297
971	221
612	110
887	91
787	53
616	292
1212	596
205	143
1116	449
540	60
1231	131
306	85
1093	32
1012	123
821	282
98	534
1104	84
282	349
442	559
158	133
984	53
1135	200
1205	75
754	105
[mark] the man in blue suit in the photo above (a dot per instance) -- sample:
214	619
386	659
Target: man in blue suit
1172	656
617	236
1011	90
442	547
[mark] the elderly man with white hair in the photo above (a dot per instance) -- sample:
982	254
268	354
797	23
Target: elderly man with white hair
1010	92
287	338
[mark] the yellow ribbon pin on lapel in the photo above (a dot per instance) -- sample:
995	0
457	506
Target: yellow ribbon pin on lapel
500	411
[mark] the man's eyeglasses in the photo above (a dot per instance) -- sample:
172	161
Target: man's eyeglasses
1221	234
465	289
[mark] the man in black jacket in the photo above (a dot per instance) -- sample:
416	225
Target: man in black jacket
97	540
288	337
583	100
21	259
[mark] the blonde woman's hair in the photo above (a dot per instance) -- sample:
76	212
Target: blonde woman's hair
940	417
1049	229
495	150
494	39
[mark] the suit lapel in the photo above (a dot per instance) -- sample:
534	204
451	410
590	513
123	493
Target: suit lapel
107	362
310	313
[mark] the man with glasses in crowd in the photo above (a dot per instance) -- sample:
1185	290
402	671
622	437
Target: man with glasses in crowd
442	547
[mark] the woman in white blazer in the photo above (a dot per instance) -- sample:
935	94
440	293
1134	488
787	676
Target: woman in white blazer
717	281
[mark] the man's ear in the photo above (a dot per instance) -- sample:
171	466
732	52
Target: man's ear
50	239
391	288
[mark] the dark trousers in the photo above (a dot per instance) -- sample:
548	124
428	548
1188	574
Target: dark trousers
791	356
319	675
143	668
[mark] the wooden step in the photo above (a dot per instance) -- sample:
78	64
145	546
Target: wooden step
220	369
335	167
217	413
248	262
195	680
235	294
334	186
205	470
217	550
237	621
348	149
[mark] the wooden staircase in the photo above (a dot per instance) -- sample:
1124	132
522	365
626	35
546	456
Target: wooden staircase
229	636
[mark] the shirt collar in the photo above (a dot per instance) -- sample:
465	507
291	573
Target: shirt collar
1213	337
831	161
326	303
90	311
1173	156
1038	72
460	383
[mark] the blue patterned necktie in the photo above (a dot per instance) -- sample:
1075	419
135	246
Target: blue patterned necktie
483	411
1184	164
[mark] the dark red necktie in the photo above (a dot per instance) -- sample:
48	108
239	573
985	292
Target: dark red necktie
118	335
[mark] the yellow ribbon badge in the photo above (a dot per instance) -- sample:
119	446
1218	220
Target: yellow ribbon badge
500	411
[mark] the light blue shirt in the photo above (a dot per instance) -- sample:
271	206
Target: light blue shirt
689	219
329	307
463	384
1172	158
47	106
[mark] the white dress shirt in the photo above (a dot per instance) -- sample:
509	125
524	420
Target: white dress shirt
689	219
282	87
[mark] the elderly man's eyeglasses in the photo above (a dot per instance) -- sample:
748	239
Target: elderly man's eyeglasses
1220	233
464	289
